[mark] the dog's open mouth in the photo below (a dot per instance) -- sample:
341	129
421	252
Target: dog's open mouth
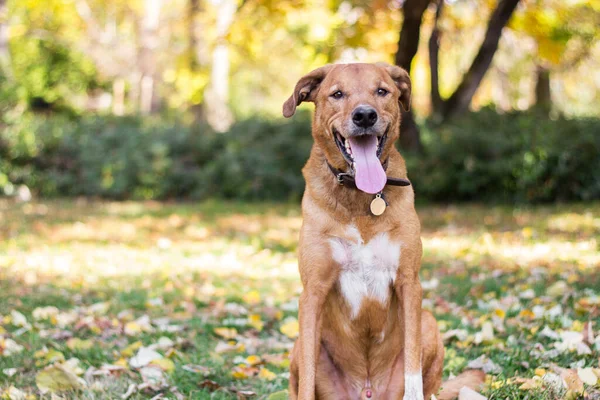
362	154
346	149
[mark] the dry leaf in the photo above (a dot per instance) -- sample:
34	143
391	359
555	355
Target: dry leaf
290	328
587	375
227	333
266	374
144	357
58	378
469	394
572	381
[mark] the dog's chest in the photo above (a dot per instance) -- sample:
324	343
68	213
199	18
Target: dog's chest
367	269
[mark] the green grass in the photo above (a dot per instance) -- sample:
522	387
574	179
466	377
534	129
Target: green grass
200	267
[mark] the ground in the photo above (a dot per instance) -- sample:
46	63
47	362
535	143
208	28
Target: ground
100	299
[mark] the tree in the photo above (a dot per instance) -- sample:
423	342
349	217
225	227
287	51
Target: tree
408	44
461	98
4	50
564	34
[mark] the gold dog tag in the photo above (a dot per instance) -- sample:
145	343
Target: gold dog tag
378	205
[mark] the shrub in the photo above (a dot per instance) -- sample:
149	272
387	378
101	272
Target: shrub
152	159
515	157
484	157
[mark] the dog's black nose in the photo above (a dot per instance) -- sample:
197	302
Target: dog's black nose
364	116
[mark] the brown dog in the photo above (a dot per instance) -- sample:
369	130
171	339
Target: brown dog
363	334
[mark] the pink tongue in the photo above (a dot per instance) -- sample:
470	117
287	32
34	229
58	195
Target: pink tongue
370	176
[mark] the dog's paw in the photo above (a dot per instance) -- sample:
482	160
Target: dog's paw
413	387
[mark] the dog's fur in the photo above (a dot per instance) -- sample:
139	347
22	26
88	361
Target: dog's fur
362	330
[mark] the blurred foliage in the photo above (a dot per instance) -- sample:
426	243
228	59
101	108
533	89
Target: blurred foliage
517	157
153	158
271	43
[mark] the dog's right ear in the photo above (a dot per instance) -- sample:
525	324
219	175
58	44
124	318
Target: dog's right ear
305	89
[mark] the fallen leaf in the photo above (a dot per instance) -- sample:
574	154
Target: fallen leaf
587	375
130	390
255	321
210	385
144	357
165	364
153	375
16	394
8	347
78	344
18	319
554	382
227	333
253	360
266	374
198	369
9	371
282	395
484	364
290	328
528	384
58	378
557	289
469	394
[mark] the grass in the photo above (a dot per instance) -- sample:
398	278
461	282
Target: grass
121	276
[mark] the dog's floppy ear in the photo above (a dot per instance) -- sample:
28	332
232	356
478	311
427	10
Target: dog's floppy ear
402	81
305	89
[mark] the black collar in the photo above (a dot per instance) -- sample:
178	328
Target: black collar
347	179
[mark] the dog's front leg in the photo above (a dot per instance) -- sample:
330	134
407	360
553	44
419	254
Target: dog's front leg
321	279
409	291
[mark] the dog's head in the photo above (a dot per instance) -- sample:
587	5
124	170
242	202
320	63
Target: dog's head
357	115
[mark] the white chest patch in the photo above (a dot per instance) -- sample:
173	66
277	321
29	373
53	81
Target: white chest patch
368	269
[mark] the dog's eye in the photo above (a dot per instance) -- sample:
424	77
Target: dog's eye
337	95
382	92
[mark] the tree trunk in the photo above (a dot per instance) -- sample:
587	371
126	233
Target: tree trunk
147	56
543	97
217	95
461	98
5	67
408	44
195	54
434	48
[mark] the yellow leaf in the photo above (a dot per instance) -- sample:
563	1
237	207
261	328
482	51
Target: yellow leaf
572	381
540	371
130	350
256	322
48	356
122	362
252	297
266	374
132	328
283	395
15	394
57	378
165	364
527	314
241	372
253	360
527	232
227	333
291	328
78	344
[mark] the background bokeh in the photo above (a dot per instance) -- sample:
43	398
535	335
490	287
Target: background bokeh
160	100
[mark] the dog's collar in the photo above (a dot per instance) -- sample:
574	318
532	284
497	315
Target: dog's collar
347	178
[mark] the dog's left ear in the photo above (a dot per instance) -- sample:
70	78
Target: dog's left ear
402	81
305	89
